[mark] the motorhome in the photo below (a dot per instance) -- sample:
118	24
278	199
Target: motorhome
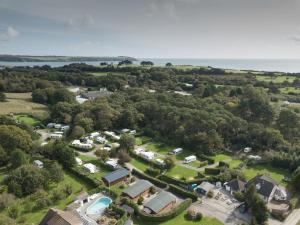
190	159
176	151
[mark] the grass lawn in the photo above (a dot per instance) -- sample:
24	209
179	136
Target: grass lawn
275	173
180	171
180	220
29	120
21	103
117	188
139	164
288	90
221	157
234	163
277	79
160	148
36	216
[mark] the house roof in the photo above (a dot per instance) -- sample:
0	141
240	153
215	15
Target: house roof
160	201
59	217
139	187
264	184
206	186
236	185
116	175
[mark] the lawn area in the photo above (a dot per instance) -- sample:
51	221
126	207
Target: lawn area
275	173
180	172
160	148
139	164
36	216
29	120
221	157
102	170
99	74
180	220
234	163
277	79
21	103
288	90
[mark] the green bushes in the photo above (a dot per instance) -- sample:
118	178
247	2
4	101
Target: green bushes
153	172
122	213
172	180
203	163
212	171
155	181
209	160
182	192
90	181
223	164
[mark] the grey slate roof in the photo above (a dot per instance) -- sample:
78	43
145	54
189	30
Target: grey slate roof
139	187
206	186
116	175
160	201
263	184
236	185
59	217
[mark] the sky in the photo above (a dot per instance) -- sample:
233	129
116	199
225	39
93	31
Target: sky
151	28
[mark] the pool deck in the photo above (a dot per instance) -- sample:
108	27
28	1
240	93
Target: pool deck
83	209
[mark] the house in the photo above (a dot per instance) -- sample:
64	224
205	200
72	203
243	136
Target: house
116	176
91	168
139	189
176	151
190	159
161	203
78	161
267	188
204	188
147	155
235	185
59	217
56	136
91	95
38	164
112	163
79	144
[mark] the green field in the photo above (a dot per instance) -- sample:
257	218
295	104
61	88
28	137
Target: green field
275	173
276	79
102	171
180	220
139	164
288	90
99	74
21	103
29	120
179	172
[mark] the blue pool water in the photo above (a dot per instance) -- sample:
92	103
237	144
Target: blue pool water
99	205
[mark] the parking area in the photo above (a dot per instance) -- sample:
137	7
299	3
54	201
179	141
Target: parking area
223	207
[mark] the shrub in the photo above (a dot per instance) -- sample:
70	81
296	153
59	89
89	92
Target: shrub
239	196
203	163
152	172
210	194
140	200
212	171
223	164
153	180
182	192
191	214
152	190
13	211
5	200
199	216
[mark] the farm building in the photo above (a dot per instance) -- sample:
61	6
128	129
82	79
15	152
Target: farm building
139	189
116	176
161	203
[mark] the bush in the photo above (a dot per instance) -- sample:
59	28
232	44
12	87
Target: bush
13	211
239	196
153	180
209	160
153	172
182	192
140	200
223	164
5	200
203	163
212	171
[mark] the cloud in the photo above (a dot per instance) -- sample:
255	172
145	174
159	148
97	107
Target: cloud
81	22
295	38
9	34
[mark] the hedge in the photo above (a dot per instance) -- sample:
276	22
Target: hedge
172	180
155	164
207	158
183	192
212	171
160	217
223	164
155	181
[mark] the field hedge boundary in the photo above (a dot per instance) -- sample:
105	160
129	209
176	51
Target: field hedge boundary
155	181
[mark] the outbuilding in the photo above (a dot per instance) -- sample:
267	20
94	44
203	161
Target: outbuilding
204	188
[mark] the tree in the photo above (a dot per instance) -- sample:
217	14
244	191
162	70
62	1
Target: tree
12	137
2	97
296	179
5	220
102	154
77	132
18	158
25	180
169	162
123	157
55	172
5	200
4	158
169	64
288	123
127	142
147	63
64	154
125	62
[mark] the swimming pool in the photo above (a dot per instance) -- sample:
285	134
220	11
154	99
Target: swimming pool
99	205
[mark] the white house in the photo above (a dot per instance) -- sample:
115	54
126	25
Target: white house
91	168
190	159
56	136
148	155
78	161
176	151
160	162
38	164
78	144
112	163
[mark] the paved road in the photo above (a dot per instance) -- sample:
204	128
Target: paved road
293	218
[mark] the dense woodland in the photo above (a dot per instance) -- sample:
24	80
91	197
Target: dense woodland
225	112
